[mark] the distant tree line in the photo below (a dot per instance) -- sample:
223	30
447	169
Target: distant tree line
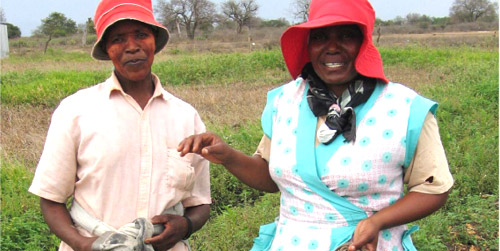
191	16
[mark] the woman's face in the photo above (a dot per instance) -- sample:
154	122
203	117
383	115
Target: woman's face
333	50
131	46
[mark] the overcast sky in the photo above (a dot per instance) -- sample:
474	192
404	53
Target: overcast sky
27	14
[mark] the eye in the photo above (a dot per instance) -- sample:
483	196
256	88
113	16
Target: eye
318	37
116	40
350	35
142	35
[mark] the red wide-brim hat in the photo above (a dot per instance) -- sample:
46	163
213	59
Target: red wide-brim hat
109	12
324	13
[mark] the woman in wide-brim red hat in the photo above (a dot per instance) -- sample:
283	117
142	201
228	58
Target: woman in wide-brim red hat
340	142
111	149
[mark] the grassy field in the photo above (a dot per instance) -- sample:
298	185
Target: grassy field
228	89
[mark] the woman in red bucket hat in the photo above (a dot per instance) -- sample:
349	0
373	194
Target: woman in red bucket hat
111	148
340	142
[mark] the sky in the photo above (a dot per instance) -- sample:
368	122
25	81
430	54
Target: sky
27	14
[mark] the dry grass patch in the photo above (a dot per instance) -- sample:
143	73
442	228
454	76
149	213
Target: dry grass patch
225	104
24	129
413	78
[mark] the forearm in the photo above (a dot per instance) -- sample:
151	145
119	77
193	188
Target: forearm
251	170
57	217
198	215
413	206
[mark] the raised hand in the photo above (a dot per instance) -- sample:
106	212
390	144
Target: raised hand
208	145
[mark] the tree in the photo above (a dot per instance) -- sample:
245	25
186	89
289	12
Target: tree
472	10
3	19
13	31
280	22
87	28
190	13
241	12
56	25
301	9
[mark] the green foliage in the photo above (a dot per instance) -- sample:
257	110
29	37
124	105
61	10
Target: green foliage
474	10
280	22
236	227
57	25
468	118
13	31
221	68
23	227
45	88
226	189
473	221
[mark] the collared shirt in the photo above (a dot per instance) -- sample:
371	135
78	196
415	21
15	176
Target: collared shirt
118	161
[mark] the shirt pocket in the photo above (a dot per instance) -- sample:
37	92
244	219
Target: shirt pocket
180	172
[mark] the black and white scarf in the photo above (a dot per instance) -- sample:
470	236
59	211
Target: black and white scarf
339	111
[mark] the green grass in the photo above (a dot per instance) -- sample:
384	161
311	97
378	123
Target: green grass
464	82
23	227
236	227
227	191
48	88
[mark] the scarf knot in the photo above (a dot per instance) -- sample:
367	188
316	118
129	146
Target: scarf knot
339	111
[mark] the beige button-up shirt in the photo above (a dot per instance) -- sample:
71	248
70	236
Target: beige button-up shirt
118	161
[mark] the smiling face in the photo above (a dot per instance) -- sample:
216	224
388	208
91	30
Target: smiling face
333	51
131	46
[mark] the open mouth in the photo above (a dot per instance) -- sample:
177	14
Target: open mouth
333	65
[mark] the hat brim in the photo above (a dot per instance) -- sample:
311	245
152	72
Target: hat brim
161	39
294	42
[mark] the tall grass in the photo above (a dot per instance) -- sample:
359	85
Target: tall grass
463	80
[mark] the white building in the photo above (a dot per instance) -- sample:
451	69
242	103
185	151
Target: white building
4	41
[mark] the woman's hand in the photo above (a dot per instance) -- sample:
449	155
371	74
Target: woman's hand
365	235
208	145
176	228
251	170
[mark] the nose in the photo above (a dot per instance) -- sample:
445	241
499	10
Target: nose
131	46
332	44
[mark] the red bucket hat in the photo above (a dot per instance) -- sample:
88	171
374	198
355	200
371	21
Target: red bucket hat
109	12
334	12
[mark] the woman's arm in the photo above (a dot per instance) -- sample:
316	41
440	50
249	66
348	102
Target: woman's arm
251	170
413	206
57	217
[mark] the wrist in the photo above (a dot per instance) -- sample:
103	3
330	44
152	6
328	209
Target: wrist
376	220
189	228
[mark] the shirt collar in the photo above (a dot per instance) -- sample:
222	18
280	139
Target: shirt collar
114	86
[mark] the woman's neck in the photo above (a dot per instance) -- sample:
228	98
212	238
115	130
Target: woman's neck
141	90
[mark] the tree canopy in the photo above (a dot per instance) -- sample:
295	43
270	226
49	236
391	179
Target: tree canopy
473	10
241	12
57	25
190	13
13	31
